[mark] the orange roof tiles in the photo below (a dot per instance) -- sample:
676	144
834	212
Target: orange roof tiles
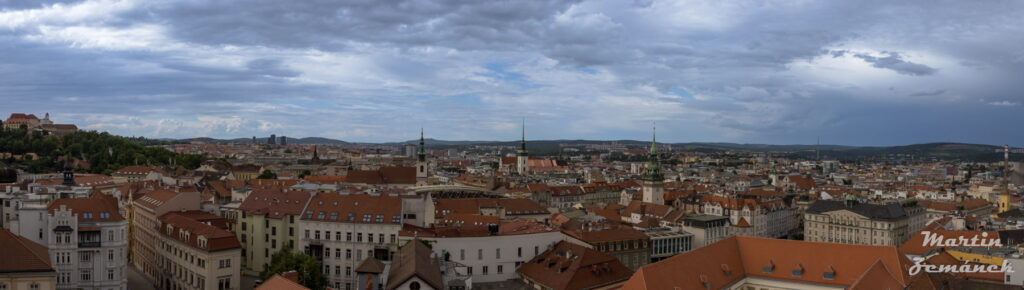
194	222
356	208
22	255
89	210
278	282
275	203
731	259
571	266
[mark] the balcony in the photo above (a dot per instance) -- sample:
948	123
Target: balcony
89	244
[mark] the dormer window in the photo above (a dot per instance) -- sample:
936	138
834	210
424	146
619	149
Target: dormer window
799	271
830	273
726	270
770	267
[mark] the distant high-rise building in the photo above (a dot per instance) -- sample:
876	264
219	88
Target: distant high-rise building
253	140
410	150
284	140
272	140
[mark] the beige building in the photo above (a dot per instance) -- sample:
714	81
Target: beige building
197	252
850	222
343	230
144	254
268	222
25	264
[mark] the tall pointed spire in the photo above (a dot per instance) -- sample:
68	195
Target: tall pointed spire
422	154
522	144
653	171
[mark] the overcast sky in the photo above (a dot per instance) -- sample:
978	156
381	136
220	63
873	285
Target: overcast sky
785	72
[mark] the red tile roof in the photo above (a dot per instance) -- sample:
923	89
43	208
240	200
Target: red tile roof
89	209
512	206
731	259
571	266
275	203
384	175
278	282
194	222
22	255
332	207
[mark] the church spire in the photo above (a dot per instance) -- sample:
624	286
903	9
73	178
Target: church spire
653	171
522	144
422	154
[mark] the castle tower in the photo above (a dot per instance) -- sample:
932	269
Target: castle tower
1004	197
522	166
421	163
316	157
653	180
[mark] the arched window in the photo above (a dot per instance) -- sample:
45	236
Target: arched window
415	285
34	286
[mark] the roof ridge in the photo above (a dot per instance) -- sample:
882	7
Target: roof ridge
868	270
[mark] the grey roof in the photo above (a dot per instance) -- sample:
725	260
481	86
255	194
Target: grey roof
892	211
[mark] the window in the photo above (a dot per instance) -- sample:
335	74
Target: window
327	252
34	286
337	236
392	238
348	271
519	252
84	257
366	218
86	275
379	219
499	269
317	235
110	274
369	237
359	237
479	254
469	270
348	254
327	235
307	234
224	283
484	270
348	236
380	239
110	255
337	253
273	231
462	254
243	226
497	253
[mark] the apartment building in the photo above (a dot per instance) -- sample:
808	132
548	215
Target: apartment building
706	229
490	253
88	243
342	230
268	222
196	251
630	246
145	225
757	217
851	222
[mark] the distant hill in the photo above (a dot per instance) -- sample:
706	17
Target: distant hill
941	151
263	140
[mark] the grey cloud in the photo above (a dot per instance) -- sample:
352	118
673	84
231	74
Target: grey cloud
928	93
894	61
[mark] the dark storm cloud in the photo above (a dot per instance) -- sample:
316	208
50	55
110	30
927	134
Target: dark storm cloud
895	62
769	72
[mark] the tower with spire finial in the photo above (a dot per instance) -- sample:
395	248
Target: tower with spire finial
69	172
421	162
653	180
522	164
316	157
1004	196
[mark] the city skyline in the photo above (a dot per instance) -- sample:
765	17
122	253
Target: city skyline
861	73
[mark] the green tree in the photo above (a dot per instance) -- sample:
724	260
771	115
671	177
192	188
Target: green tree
305	173
310	270
267	174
